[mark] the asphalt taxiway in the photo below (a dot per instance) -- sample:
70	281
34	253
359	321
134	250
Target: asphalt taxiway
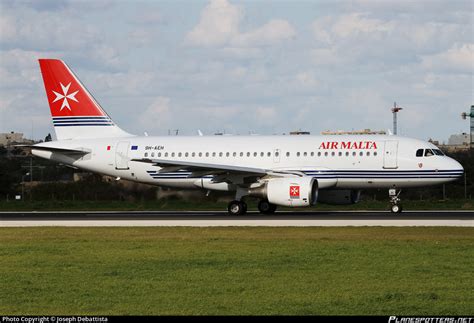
222	219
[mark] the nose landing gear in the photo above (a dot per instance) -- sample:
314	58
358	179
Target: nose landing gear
395	207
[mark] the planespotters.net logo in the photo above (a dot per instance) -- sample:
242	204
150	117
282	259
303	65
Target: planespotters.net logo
395	319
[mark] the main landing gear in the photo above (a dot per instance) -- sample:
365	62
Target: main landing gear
237	207
395	207
240	207
266	207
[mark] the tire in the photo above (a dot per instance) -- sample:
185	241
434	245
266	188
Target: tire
266	207
237	208
395	208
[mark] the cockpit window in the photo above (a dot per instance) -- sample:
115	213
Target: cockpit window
438	152
428	152
419	153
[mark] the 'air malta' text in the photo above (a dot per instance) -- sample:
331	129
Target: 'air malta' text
348	145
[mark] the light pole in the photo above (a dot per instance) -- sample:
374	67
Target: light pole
395	110
23	186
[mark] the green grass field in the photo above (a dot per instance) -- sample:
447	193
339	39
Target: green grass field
179	204
196	271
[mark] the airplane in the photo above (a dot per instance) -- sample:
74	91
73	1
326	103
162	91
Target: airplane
285	170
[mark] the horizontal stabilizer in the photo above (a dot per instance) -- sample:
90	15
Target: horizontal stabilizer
77	151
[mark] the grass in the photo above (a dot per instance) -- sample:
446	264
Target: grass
178	205
248	271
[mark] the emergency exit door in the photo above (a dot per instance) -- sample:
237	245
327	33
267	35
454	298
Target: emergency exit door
390	154
121	155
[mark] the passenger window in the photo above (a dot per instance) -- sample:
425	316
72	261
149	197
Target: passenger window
347	153
368	153
146	154
269	154
180	154
227	154
326	154
375	153
193	154
287	154
172	154
419	153
200	154
241	154
361	153
277	154
262	154
248	154
353	153
305	154
340	153
312	153
333	154
213	154
186	154
207	154
220	154
298	154
319	154
255	154
428	152
166	154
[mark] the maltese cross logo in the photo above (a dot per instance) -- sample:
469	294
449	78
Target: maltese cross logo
64	96
294	192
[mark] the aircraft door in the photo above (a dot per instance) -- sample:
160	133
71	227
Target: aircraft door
390	154
121	155
276	155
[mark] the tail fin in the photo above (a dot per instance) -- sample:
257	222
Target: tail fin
76	114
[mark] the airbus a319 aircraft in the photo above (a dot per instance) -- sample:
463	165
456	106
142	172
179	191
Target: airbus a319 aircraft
290	171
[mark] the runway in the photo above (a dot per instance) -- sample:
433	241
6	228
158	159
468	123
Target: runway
222	219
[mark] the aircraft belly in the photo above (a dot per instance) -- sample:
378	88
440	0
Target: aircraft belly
365	183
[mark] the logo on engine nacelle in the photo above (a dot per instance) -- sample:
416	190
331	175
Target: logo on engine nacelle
294	191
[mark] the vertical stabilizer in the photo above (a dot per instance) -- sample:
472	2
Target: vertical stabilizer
75	112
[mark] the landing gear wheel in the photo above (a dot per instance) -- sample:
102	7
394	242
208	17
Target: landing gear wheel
266	207
396	208
237	208
394	200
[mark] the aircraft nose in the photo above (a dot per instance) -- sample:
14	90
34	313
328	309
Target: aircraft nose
456	168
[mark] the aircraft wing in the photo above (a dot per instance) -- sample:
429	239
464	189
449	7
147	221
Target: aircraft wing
202	168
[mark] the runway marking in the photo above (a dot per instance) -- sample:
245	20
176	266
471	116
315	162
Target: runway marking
221	219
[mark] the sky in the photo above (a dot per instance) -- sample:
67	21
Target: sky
245	67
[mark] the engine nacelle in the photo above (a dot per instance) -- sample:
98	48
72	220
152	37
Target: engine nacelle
288	191
338	197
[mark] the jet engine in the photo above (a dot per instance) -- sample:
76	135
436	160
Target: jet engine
338	197
288	191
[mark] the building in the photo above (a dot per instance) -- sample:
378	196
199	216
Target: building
354	132
459	140
6	139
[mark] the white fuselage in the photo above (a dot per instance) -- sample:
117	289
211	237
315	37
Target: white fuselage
346	162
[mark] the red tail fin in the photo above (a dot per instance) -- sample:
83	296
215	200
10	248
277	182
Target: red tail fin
72	106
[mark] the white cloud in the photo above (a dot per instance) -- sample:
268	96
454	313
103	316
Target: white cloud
219	23
157	115
459	58
219	26
330	29
272	32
